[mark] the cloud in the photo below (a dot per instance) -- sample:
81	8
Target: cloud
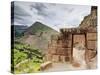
54	15
40	8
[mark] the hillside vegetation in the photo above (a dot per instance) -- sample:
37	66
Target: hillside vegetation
26	59
29	47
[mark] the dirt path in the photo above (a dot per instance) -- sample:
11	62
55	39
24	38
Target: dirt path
61	67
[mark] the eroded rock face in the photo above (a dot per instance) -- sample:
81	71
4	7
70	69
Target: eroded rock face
90	21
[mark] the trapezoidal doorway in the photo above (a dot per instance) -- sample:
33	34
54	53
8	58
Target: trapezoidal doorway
78	39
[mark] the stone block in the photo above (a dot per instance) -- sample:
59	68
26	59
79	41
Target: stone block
55	58
91	36
67	59
69	43
62	58
70	37
91	44
48	57
60	51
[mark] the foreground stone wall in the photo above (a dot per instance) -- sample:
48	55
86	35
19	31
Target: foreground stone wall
59	49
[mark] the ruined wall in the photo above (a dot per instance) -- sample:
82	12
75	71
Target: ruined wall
90	24
61	45
59	48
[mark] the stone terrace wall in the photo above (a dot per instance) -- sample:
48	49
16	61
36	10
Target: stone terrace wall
59	49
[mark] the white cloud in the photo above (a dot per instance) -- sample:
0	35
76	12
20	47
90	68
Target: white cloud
53	15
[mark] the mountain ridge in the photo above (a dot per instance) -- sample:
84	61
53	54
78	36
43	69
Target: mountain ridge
38	35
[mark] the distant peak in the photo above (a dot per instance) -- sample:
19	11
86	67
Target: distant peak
37	22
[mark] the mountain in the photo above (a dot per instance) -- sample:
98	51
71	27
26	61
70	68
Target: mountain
36	28
38	35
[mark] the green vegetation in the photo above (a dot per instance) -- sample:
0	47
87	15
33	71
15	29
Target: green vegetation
17	33
26	59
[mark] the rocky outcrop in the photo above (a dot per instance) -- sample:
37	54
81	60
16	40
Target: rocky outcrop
90	22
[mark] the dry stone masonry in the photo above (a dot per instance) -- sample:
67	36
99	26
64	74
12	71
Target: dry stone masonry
60	48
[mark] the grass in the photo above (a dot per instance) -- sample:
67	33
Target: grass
28	67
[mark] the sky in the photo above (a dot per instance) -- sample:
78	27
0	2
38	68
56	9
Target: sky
53	15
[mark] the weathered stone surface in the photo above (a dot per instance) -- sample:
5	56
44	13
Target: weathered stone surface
91	36
69	43
68	52
79	38
67	58
52	50
61	45
70	37
60	51
55	58
62	58
92	44
48	57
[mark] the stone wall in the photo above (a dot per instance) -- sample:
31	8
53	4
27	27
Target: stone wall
60	47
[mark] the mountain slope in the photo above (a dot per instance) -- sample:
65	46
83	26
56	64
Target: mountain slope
18	29
38	35
37	27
